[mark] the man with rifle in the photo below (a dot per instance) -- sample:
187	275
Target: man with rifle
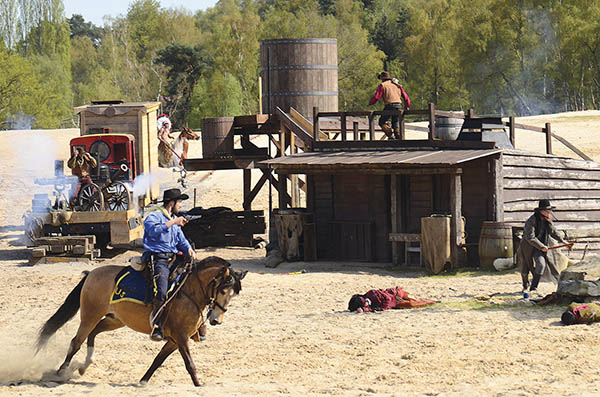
81	163
532	254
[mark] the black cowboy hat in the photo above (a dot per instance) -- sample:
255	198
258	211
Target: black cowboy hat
174	194
544	205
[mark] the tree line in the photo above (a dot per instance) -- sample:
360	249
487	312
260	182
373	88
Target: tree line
507	57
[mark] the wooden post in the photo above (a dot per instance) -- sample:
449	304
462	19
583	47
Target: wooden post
511	129
548	130
355	130
316	123
282	141
402	128
456	221
497	189
470	113
295	194
371	127
431	122
343	129
247	188
259	95
394	215
282	192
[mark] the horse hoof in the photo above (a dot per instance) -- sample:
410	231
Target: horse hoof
82	370
143	383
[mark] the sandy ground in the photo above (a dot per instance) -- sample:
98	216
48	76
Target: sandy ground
290	334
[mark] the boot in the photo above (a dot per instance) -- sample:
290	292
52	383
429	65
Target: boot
534	282
156	334
397	133
387	131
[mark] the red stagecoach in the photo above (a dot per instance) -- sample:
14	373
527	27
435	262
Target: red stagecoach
113	177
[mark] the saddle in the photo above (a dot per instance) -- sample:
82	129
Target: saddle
134	282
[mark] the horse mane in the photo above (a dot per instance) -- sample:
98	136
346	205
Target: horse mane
215	261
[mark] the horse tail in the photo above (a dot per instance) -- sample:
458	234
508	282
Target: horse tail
64	313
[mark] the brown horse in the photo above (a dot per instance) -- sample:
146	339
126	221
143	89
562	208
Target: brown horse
210	282
173	155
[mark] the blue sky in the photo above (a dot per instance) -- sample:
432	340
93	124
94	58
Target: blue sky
94	11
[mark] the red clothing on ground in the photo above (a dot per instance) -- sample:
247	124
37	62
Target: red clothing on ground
391	298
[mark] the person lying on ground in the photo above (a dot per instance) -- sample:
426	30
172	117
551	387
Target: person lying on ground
578	313
384	299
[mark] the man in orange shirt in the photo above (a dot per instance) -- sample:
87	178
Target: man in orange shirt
393	96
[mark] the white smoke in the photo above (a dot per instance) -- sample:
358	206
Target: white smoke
143	182
19	121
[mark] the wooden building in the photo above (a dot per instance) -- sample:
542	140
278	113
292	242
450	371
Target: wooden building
368	196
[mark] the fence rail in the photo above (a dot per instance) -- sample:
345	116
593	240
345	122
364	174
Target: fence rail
431	112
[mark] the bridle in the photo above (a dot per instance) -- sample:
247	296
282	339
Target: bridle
215	288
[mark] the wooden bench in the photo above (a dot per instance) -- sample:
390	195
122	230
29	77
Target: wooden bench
412	243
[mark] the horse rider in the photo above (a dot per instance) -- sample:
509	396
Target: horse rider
163	239
532	254
81	164
165	127
393	96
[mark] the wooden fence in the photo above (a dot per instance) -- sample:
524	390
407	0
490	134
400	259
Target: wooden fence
431	112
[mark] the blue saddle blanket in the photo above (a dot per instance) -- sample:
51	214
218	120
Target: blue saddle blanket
132	286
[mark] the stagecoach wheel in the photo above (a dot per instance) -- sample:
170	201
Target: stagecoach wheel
91	198
117	197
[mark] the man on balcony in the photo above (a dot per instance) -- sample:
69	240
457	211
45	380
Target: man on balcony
395	98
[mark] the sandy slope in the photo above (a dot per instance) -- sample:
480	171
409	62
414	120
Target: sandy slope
290	334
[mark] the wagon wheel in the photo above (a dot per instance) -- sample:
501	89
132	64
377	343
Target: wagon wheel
117	197
91	198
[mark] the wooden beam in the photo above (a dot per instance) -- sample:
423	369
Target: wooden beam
254	192
355	131
344	128
284	199
497	189
316	130
371	127
548	131
572	147
362	170
247	188
456	220
308	126
431	134
394	216
511	129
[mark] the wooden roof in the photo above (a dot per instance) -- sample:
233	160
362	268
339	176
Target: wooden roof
379	159
118	109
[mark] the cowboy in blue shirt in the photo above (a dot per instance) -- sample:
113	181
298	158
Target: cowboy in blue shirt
163	238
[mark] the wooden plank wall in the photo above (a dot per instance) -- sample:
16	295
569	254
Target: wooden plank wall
476	205
573	186
359	198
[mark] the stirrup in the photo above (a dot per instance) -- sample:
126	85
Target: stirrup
156	335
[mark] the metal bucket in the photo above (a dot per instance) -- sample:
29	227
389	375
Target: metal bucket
448	128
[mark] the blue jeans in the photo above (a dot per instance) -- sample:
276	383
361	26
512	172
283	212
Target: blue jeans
395	119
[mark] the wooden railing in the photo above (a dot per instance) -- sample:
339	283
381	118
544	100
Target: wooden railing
431	112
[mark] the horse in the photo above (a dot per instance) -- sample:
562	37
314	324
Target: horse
173	155
210	282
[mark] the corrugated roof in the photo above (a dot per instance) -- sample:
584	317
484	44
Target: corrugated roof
380	158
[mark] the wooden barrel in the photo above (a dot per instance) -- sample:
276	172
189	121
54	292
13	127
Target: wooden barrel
495	241
299	73
217	137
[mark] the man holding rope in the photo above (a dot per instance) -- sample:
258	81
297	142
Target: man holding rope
532	254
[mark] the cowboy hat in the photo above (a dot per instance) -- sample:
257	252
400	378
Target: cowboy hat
174	194
544	205
384	76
